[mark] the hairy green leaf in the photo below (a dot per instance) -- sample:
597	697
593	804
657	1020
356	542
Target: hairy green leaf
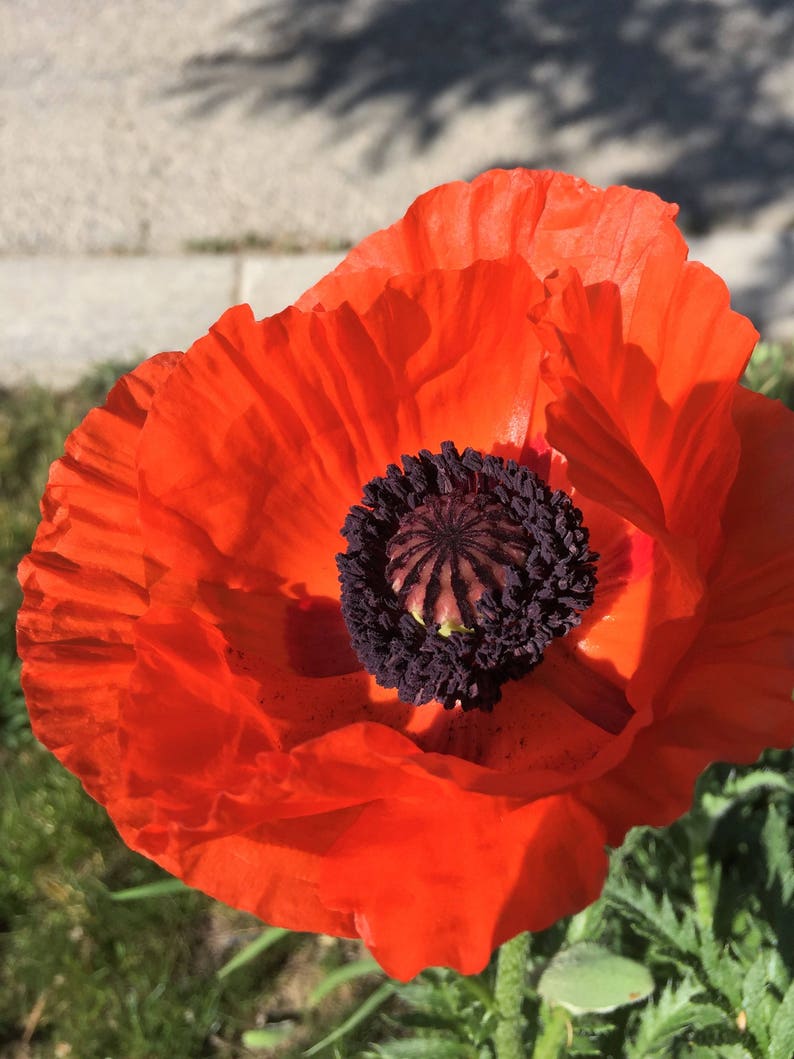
656	920
764	984
780	865
781	1038
588	1035
675	1014
755	999
723	973
741	786
718	1051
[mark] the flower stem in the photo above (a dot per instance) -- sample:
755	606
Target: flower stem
701	889
553	1040
511	976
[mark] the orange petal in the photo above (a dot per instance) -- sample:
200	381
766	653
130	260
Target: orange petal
444	880
436	329
298	651
550	219
647	428
273	428
84	584
206	792
208	796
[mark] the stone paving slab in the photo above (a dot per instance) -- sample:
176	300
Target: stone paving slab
58	316
269	284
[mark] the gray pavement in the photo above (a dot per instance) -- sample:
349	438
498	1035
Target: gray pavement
136	132
146	125
60	315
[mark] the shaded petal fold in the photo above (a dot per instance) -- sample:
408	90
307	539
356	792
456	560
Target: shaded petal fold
730	696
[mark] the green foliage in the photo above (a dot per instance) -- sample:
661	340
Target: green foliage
269	1038
781	1028
431	1047
371	1004
348	972
161	888
771	371
64	940
780	865
14	725
266	940
138	977
440	1000
723	968
674	1015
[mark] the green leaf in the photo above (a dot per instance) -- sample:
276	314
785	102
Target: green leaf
723	973
753	996
587	977
718	1051
674	1014
584	925
370	1005
346	973
744	786
163	888
777	973
771	371
780	865
424	1048
267	1038
781	1040
266	940
587	1037
655	920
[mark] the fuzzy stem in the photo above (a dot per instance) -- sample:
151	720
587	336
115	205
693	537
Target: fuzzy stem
701	872
509	990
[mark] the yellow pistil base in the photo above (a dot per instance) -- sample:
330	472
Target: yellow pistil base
445	628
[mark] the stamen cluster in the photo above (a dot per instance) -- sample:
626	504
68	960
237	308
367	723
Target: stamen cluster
460	570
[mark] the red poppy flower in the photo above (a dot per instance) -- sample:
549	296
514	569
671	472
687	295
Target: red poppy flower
574	593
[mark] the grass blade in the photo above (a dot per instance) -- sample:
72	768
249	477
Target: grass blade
371	1004
162	888
346	973
265	941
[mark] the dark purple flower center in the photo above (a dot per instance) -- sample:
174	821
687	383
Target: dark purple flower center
460	569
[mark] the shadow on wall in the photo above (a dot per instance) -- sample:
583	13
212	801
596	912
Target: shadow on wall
702	76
